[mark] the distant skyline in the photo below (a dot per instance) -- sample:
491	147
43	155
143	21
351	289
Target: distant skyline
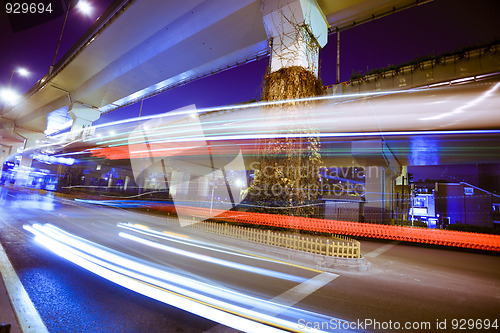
433	28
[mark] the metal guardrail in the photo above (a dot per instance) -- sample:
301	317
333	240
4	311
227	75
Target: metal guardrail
430	63
427	73
338	246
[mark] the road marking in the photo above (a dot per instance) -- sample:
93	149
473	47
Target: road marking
301	291
289	298
175	234
28	316
382	249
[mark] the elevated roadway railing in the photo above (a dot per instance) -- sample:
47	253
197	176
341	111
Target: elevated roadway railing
471	65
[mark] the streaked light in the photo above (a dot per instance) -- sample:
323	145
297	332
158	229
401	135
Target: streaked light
201	245
53	159
250	106
213	260
217	303
321	135
469	104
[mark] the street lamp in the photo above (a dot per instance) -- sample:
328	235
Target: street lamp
8	95
85	8
21	71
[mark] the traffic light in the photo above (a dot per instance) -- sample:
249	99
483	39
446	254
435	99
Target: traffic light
410	177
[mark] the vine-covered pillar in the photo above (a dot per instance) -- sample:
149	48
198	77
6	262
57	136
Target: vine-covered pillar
287	178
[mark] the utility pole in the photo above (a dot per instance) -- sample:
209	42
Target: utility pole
51	68
411	198
338	56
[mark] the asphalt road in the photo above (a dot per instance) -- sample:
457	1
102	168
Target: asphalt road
423	287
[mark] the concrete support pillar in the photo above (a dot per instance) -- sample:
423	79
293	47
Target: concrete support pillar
31	139
297	29
125	185
381	169
12	141
379	193
83	117
203	187
179	183
5	152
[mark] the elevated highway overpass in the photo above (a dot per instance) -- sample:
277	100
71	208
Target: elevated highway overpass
137	49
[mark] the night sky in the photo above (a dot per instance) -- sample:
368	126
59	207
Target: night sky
434	28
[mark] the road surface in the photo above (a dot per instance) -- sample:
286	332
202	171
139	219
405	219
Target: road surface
408	286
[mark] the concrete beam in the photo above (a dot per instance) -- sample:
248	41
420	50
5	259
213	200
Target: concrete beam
31	138
297	29
83	116
6	123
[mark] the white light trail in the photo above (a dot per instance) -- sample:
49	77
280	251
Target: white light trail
320	135
225	306
190	112
467	105
212	260
173	238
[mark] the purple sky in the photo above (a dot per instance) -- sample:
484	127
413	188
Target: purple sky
434	28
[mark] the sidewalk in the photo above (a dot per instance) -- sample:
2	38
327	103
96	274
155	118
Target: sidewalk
7	314
16	307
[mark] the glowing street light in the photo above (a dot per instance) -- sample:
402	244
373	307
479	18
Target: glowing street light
22	71
9	96
85	7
